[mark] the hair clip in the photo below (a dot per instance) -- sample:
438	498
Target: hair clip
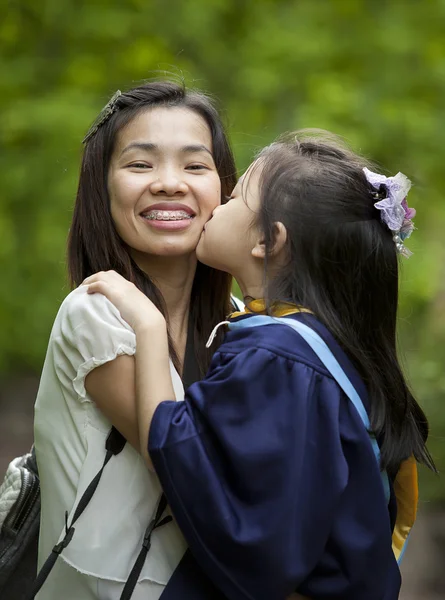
104	115
395	212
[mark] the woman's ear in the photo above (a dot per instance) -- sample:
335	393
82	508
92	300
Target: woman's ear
279	242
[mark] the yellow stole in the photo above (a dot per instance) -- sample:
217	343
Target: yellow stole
279	309
406	482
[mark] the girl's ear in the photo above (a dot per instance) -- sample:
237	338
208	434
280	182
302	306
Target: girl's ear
278	245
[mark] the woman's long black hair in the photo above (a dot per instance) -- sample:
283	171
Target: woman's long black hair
343	266
94	244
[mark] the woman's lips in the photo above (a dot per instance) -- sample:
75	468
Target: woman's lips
170	222
168	216
168	207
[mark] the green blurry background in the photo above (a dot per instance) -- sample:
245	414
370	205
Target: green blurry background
371	71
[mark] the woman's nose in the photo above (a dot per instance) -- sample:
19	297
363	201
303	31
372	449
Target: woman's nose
169	183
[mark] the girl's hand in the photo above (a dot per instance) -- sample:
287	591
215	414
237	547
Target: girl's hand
133	305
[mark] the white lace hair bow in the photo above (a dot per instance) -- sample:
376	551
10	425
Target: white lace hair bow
395	212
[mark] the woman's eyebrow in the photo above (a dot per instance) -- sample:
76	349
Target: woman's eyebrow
195	148
149	147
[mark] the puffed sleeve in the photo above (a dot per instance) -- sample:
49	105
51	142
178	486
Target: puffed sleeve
235	460
88	332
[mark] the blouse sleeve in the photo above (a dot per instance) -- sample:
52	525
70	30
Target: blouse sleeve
88	332
235	460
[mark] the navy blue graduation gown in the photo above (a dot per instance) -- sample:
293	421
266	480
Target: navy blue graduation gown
271	477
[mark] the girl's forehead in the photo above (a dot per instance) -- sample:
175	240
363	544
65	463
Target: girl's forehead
248	186
251	176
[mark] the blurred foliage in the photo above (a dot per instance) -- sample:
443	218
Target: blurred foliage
370	70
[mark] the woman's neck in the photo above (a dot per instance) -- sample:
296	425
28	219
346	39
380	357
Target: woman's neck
173	276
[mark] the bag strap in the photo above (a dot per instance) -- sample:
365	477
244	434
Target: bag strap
114	445
325	355
146	544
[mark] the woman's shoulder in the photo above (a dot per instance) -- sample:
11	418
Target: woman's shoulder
88	332
79	304
88	313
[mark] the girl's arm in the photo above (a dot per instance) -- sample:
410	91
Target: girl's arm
235	461
151	378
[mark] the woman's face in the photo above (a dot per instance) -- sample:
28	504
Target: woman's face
162	182
229	237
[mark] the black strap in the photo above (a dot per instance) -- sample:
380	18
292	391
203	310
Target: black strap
114	445
146	544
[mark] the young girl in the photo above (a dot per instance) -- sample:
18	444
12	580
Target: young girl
276	477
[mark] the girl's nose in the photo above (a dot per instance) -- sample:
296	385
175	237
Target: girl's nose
216	209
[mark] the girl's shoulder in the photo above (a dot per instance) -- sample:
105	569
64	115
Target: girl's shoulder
286	344
275	337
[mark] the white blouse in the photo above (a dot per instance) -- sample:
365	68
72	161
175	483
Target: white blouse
70	435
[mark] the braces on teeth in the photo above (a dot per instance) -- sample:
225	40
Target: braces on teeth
164	215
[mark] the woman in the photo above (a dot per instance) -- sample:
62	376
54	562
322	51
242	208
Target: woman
156	164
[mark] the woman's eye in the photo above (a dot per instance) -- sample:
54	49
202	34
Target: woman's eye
197	168
140	166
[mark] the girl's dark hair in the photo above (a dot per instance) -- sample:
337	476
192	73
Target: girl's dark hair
94	244
342	265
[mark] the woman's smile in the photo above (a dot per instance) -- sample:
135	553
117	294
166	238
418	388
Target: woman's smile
169	215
